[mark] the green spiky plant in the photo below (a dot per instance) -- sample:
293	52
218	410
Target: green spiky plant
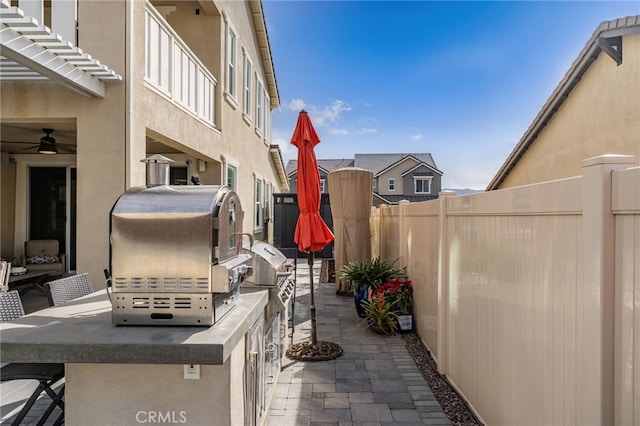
372	273
381	315
369	275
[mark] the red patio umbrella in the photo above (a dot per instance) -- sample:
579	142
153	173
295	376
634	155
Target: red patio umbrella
311	233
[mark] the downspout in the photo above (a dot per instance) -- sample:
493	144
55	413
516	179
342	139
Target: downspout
129	116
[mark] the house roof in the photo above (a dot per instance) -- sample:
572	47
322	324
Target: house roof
257	13
395	199
325	165
276	157
606	38
379	163
375	163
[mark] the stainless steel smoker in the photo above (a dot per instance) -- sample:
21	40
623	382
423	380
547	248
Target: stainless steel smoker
176	252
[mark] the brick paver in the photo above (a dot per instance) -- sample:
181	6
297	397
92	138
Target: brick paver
375	382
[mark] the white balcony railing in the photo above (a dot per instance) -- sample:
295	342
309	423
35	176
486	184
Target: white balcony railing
173	69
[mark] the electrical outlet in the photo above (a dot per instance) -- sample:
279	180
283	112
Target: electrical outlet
192	371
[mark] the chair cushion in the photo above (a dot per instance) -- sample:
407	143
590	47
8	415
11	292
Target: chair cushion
43	259
41	247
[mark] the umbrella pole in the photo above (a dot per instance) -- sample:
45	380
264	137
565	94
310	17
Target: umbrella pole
314	334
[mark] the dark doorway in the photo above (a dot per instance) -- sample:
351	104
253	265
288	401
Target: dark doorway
52	207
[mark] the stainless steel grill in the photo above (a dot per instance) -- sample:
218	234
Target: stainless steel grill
175	252
271	269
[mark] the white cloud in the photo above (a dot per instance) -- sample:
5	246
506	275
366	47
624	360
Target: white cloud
417	137
341	132
329	113
296	104
369	130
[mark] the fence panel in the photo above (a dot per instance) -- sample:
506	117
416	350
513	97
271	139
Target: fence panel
390	234
529	297
626	207
422	239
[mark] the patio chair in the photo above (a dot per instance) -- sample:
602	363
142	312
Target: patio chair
5	270
68	288
47	374
42	255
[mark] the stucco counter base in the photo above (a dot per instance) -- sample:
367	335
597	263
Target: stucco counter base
135	375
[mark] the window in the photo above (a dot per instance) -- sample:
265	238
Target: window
231	62
231	176
268	191
259	106
258	214
392	184
323	185
247	95
230	169
265	112
179	175
422	185
375	184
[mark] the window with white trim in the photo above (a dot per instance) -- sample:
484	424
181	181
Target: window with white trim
323	185
422	185
268	191
392	184
232	177
231	62
267	117
248	80
258	213
259	106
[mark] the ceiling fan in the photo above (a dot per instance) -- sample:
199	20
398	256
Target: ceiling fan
47	144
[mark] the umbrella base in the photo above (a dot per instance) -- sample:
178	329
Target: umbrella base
307	351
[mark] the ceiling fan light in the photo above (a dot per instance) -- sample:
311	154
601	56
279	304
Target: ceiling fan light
47	148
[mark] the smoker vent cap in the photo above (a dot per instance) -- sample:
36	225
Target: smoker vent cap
157	170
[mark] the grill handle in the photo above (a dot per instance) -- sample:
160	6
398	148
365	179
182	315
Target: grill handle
107	283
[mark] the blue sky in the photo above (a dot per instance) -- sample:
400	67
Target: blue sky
460	80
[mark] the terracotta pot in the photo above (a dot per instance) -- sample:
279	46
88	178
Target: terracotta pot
382	330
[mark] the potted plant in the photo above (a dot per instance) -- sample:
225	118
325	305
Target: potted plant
400	292
369	274
17	268
380	313
388	308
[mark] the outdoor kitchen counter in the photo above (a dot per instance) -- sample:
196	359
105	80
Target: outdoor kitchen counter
81	332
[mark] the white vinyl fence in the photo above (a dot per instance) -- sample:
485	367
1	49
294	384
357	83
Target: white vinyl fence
529	297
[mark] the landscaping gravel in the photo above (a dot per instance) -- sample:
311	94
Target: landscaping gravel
454	406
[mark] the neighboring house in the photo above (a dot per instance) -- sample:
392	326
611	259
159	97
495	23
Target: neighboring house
594	110
396	177
193	81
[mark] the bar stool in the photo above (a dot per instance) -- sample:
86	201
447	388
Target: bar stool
47	374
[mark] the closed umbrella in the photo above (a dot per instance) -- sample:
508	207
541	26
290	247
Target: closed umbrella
311	234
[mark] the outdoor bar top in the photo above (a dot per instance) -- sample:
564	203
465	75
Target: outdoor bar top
81	332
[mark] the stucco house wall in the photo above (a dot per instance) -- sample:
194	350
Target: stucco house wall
113	133
600	116
393	173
